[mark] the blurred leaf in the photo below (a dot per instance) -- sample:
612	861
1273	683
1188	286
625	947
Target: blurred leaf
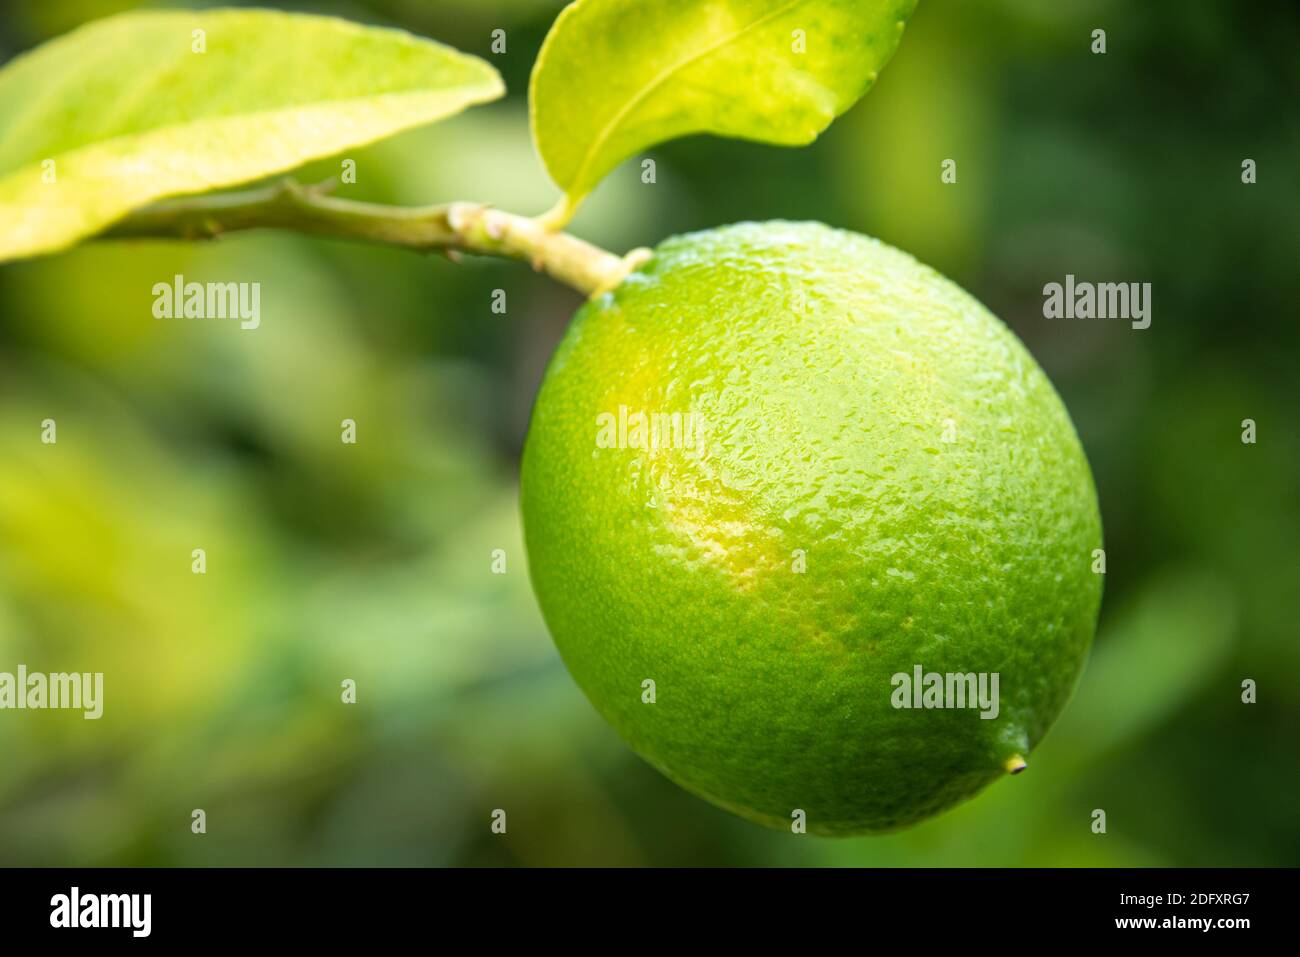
1158	654
936	107
267	92
617	76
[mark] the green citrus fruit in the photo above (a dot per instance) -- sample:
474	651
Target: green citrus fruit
868	476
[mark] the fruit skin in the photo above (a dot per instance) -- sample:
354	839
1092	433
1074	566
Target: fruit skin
825	366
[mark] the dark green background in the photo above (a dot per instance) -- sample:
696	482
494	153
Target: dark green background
372	562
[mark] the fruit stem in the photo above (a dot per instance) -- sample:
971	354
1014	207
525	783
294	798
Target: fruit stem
450	229
1015	764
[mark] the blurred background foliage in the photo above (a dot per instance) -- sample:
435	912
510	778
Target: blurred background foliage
372	562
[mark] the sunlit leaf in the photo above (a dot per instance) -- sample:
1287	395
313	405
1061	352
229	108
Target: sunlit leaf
134	108
618	76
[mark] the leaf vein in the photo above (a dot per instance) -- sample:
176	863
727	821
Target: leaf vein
664	75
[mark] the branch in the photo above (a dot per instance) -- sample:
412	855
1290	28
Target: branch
450	229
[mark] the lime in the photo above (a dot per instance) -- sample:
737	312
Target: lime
810	527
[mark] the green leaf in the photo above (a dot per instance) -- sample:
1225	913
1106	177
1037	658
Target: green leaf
617	76
124	111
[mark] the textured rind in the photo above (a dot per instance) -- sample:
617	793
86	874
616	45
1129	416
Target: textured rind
826	367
